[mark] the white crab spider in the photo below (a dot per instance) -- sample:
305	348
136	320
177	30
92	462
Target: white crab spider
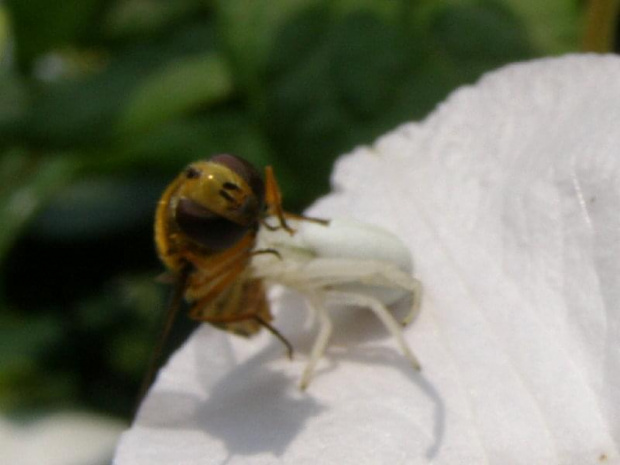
344	263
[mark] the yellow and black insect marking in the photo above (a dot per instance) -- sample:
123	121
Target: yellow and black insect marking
205	233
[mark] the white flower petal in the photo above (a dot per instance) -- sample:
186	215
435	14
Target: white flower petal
508	196
63	438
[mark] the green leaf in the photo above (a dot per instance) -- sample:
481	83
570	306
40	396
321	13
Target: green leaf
14	98
371	58
41	25
4	34
71	112
28	184
131	18
249	30
332	83
96	206
481	36
182	86
554	26
182	141
24	339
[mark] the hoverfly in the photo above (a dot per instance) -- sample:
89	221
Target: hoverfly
205	233
212	233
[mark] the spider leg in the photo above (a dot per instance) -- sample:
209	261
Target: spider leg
345	282
388	320
416	289
320	343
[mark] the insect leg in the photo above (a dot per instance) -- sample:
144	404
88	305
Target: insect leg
295	216
273	199
320	343
388	320
173	308
276	333
228	319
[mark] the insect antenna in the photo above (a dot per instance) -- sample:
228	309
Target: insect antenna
174	305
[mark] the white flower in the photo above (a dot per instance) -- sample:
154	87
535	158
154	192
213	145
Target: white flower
509	199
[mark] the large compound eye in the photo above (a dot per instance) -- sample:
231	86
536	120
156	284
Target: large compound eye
246	171
208	229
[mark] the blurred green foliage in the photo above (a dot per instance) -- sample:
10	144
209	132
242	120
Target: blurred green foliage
103	101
